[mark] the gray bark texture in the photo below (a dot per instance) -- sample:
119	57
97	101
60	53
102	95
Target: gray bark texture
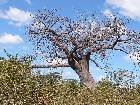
81	67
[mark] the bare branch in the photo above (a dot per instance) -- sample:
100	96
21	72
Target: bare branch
50	66
95	63
117	49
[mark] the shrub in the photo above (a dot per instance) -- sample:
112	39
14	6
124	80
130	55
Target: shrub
18	86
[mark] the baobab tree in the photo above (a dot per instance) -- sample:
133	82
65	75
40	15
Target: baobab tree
78	39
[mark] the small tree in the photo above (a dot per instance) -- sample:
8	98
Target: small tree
76	40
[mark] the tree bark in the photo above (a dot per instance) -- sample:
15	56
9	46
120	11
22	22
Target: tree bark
81	67
85	75
86	79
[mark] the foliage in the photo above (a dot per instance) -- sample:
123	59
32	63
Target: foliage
58	36
18	86
82	40
109	94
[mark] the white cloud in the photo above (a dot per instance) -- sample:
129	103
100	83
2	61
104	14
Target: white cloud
108	13
69	74
58	61
130	8
16	16
7	38
28	1
38	25
135	57
100	78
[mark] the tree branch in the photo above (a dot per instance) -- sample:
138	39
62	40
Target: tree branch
121	50
50	66
95	63
55	38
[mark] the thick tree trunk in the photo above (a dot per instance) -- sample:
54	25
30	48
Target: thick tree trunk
85	76
81	67
86	79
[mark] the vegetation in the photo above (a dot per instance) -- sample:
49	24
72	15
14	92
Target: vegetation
58	37
19	86
79	40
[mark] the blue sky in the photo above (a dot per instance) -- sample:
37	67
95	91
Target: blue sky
15	16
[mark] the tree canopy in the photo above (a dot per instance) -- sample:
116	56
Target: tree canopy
78	39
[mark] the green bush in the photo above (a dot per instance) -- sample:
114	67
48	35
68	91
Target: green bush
15	83
18	86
